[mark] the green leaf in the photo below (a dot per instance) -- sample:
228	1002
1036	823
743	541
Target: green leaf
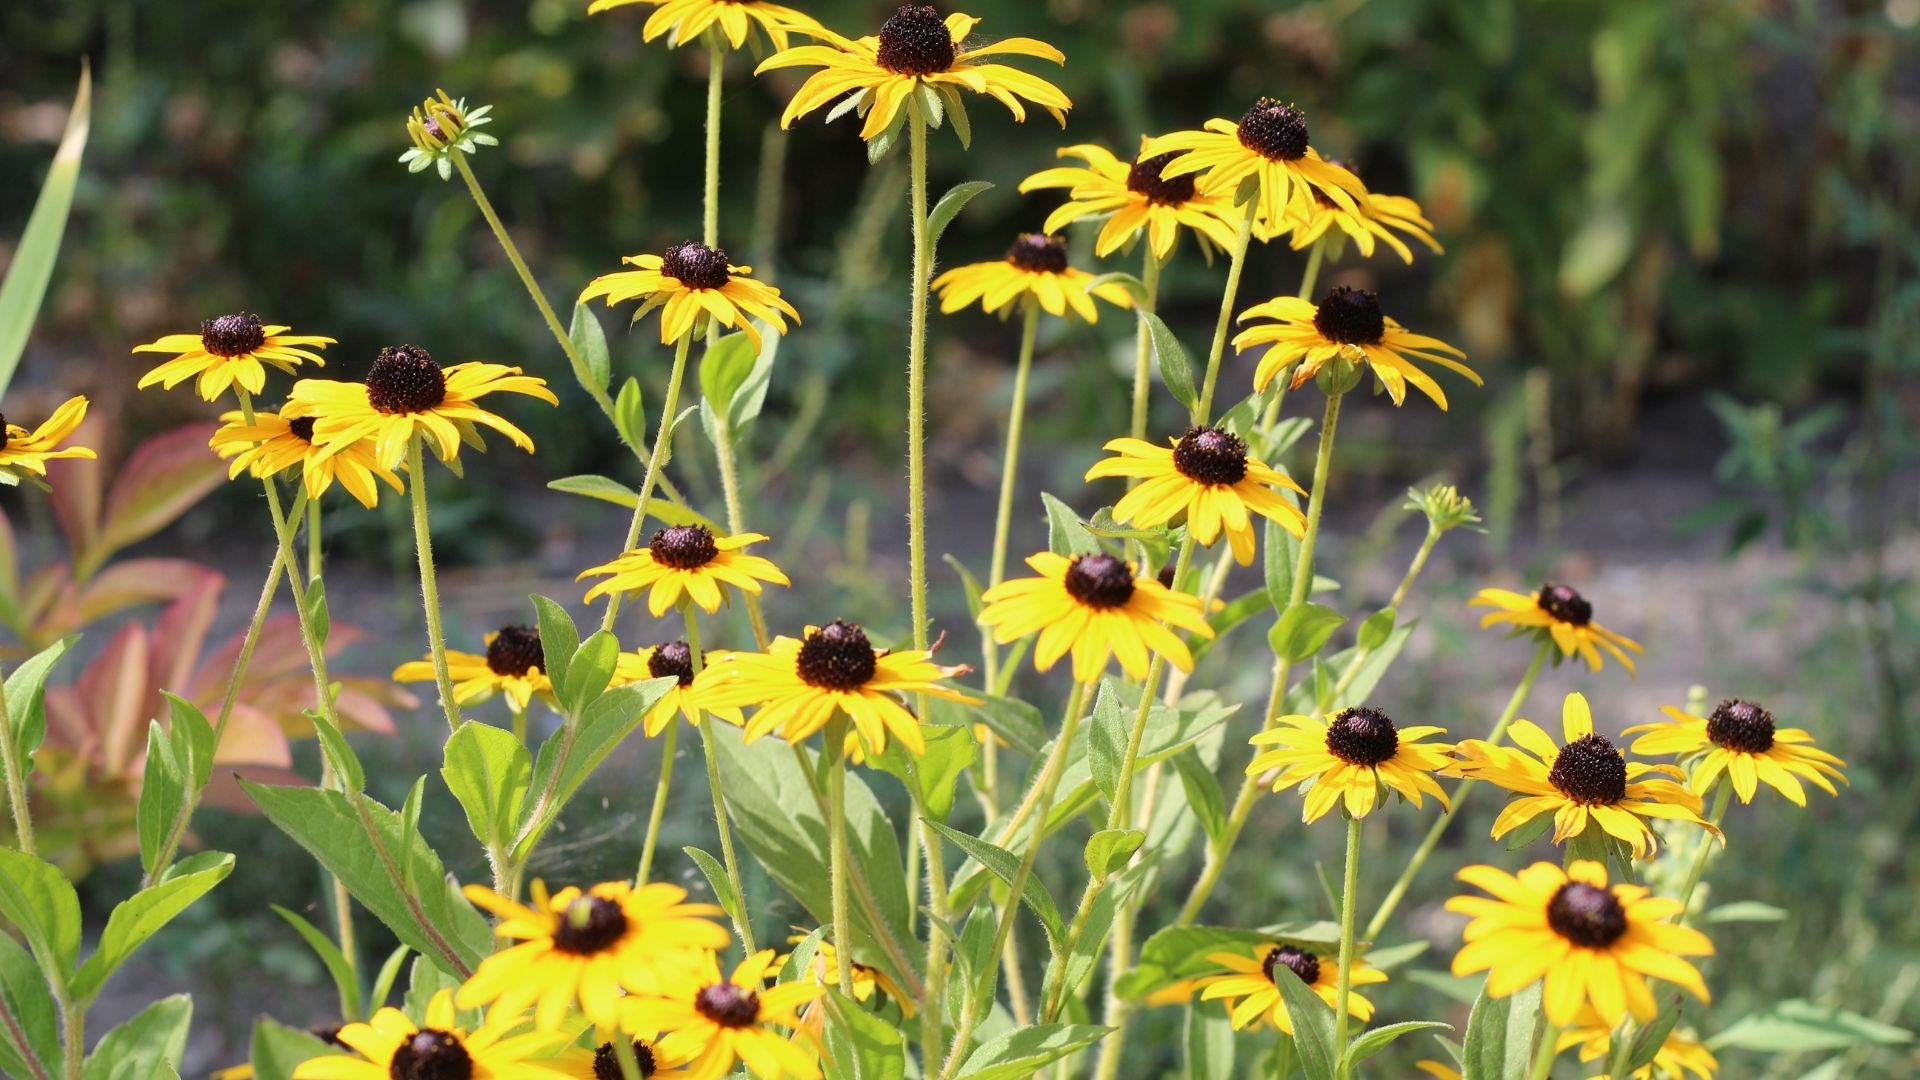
25	991
957	112
1797	1026
1279	553
934	775
949	207
590	341
1377	628
26	698
1499	1039
1107	738
1648	1040
860	1045
603	488
138	918
337	964
488	771
1303	630
724	369
722	887
1203	793
1109	850
1091	943
277	1049
319	618
339	753
389	972
1136	288
146	1046
38	900
1597	251
1745	911
1208	1043
630	414
1175	369
1312	1027
1027	1050
1005	865
558	638
33	258
589	671
568	758
163	794
1523	836
1066	533
1013	720
1369	1043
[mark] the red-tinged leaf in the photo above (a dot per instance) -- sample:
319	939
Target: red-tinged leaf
77	484
253	738
362	704
182	628
115	691
133	582
68	725
158	482
39	601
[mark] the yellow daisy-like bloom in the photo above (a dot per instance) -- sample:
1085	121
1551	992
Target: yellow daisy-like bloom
25	453
1206	477
1094	606
1305	336
673	660
916	48
1135	197
1376	218
407	393
1588	779
715	1022
1740	740
587	946
1251	994
1558	612
274	443
1593	944
228	350
690	284
825	970
686	20
799	684
1269	143
1682	1053
1349	759
512	665
1035	267
686	560
390	1045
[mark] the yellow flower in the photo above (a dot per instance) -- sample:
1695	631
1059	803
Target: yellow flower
1588	779
672	660
1270	144
1035	268
800	684
391	1045
25	453
690	284
1681	1053
686	560
1207	478
512	665
585	947
1740	739
1560	613
406	392
1094	606
274	443
1593	944
441	127
1251	993
686	20
714	1022
1134	198
1349	760
825	970
1345	323
227	350
914	49
1376	217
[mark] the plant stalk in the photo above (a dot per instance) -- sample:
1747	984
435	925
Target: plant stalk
835	744
917	379
1143	346
429	585
656	461
1202	409
1343	988
745	923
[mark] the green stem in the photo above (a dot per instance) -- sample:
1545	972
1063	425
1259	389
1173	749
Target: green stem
835	745
314	545
710	194
1143	344
623	1053
517	718
729	469
73	1029
1549	1049
933	1009
16	776
917	379
744	925
1203	408
659	812
429	586
1312	273
1343	988
1009	472
1721	800
655	462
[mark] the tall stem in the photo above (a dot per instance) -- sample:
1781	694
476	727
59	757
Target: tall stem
429	586
1204	407
917	378
835	745
932	1010
710	193
658	814
73	1032
655	462
729	468
745	923
314	546
1699	868
1009	473
1343	988
16	776
1143	344
1549	1049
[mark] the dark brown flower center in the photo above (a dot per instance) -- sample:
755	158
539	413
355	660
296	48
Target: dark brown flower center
837	656
232	335
590	924
5	436
915	41
1211	456
674	660
684	547
606	1062
514	651
1146	178
1304	964
1350	317
1274	131
404	379
1586	915
1741	726
1564	604
302	427
1590	771
431	1054
728	1005
696	266
1100	581
1362	737
1039	254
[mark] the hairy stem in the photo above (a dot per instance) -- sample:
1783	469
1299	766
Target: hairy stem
1009	472
835	744
429	586
744	925
917	380
655	462
16	777
659	812
1143	346
1343	987
1202	409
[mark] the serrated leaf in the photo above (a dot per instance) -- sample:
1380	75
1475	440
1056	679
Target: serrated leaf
138	918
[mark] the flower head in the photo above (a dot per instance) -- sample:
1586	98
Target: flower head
392	1047
1445	508
407	393
1681	1053
866	982
714	1022
512	665
1740	739
692	283
673	660
25	453
1560	614
230	350
441	127
1269	145
686	560
1594	944
1035	269
1350	759
1251	987
274	443
1094	606
1134	198
1205	476
1346	324
1373	218
733	20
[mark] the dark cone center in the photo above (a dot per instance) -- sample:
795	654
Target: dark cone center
1590	771
1145	178
431	1054
5	437
405	379
696	266
674	660
514	651
1587	916
684	547
606	1063
1741	726
1350	317
1274	131
837	656
1039	254
728	1005
1100	581
1304	964
1362	737
1564	604
1211	456
302	428
915	41
589	925
232	335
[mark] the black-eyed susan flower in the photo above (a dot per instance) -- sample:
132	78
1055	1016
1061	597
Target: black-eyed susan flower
391	1047
1350	759
587	946
407	393
1250	989
1094	606
1270	142
916	48
686	560
1206	477
685	20
1560	613
1134	198
441	127
275	443
1375	218
1586	780
692	283
654	1062
512	665
673	660
1740	739
1594	944
25	453
229	350
801	683
714	1022
1304	337
1035	268
1681	1053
